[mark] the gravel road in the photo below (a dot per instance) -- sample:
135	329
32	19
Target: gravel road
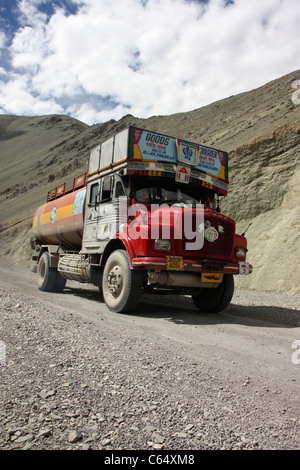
76	376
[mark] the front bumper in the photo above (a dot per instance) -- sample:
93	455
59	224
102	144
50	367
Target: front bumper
211	266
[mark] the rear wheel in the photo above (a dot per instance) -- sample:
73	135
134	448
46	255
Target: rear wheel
49	279
215	300
121	286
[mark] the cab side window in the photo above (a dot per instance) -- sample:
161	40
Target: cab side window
119	190
93	193
107	188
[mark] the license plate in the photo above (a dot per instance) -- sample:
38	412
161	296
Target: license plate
211	277
174	263
244	268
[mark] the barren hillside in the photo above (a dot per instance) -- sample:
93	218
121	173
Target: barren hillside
260	129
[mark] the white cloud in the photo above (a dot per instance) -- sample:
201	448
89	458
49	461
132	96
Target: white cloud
166	57
89	114
2	39
28	12
17	97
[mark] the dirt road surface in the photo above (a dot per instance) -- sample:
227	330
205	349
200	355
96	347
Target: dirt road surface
76	376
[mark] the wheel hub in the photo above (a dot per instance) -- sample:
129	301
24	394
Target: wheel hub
114	281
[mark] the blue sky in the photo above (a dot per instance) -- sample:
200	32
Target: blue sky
97	60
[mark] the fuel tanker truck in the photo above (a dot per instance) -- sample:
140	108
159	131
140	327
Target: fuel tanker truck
144	218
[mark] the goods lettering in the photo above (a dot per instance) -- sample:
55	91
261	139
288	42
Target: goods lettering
157	139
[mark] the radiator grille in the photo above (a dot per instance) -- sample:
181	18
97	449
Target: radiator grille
218	249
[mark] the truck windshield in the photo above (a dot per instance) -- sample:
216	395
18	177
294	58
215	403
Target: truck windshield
162	191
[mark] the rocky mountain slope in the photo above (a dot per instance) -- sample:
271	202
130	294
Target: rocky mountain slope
260	129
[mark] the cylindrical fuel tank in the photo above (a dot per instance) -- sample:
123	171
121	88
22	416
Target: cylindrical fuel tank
60	221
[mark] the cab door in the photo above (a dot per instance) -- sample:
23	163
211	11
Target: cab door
105	209
90	225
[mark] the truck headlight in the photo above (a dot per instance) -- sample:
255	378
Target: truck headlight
162	244
240	252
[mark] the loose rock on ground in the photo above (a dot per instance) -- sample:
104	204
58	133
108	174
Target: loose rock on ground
69	383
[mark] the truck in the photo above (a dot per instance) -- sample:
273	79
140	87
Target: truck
144	218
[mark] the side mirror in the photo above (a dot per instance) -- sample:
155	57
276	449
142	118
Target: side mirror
97	200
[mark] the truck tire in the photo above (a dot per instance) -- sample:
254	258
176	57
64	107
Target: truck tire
49	279
215	300
121	286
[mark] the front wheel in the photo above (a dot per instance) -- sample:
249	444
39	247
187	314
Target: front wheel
215	300
121	286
